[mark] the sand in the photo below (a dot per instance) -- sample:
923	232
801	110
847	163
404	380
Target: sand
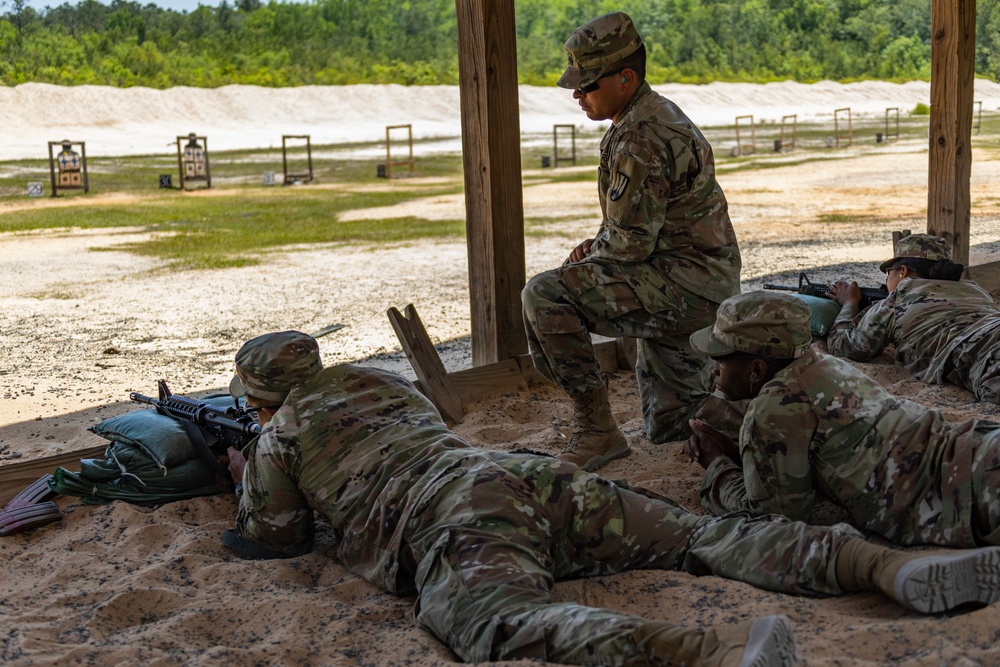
78	330
144	121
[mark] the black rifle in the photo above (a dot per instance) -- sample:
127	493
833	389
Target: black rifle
869	295
212	429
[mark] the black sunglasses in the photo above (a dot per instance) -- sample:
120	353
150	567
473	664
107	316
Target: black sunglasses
586	90
253	410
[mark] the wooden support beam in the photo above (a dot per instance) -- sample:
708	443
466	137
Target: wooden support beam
426	363
487	66
953	48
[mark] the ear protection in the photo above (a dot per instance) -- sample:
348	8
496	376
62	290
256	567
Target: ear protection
624	80
753	375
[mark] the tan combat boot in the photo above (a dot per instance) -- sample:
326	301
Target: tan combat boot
596	439
762	642
928	582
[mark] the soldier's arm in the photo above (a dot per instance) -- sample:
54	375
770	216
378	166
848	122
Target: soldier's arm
635	206
776	475
273	511
863	337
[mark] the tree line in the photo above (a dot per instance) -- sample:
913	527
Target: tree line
414	42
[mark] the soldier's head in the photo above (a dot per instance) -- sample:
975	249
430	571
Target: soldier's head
268	366
607	64
920	256
755	335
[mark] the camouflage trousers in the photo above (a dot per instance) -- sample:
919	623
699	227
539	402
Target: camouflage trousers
986	487
564	306
975	365
491	545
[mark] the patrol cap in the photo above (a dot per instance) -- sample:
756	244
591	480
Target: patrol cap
920	246
596	47
764	323
268	366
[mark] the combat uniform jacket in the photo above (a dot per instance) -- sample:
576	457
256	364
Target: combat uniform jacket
822	426
943	331
363	448
664	214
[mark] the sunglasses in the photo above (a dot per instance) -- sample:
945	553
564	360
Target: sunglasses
586	90
254	410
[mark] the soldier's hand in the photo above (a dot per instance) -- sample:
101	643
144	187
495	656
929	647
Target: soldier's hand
237	463
708	443
581	251
846	293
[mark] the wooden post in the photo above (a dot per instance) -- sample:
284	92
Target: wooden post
487	67
953	48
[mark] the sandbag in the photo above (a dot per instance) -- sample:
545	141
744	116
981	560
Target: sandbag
149	461
822	313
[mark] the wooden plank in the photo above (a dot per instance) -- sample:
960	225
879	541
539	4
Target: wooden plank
487	66
987	275
475	384
627	349
15	477
953	48
426	363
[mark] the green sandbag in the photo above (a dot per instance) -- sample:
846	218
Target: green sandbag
822	313
100	493
149	461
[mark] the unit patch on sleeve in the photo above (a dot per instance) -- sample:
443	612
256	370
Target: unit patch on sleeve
619	182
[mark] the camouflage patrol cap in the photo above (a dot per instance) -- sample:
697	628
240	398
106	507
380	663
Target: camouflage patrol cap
764	323
919	246
268	366
596	47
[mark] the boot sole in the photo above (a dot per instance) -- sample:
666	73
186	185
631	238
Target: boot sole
938	583
620	450
770	643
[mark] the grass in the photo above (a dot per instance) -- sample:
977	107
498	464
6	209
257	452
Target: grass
239	221
237	227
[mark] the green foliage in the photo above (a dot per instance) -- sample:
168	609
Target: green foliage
921	110
414	42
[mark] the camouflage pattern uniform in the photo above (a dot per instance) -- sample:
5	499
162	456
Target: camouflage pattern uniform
481	536
900	469
664	257
943	331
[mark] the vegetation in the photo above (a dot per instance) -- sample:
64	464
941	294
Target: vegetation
414	42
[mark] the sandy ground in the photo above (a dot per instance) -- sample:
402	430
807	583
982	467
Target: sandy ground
123	584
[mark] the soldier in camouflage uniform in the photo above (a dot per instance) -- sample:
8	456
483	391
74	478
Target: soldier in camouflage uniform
816	424
664	257
943	329
480	537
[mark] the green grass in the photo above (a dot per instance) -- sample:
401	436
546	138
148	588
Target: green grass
841	217
235	229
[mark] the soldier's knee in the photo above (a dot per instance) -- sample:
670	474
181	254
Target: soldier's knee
541	289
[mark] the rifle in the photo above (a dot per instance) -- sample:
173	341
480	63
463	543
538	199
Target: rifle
212	429
869	295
